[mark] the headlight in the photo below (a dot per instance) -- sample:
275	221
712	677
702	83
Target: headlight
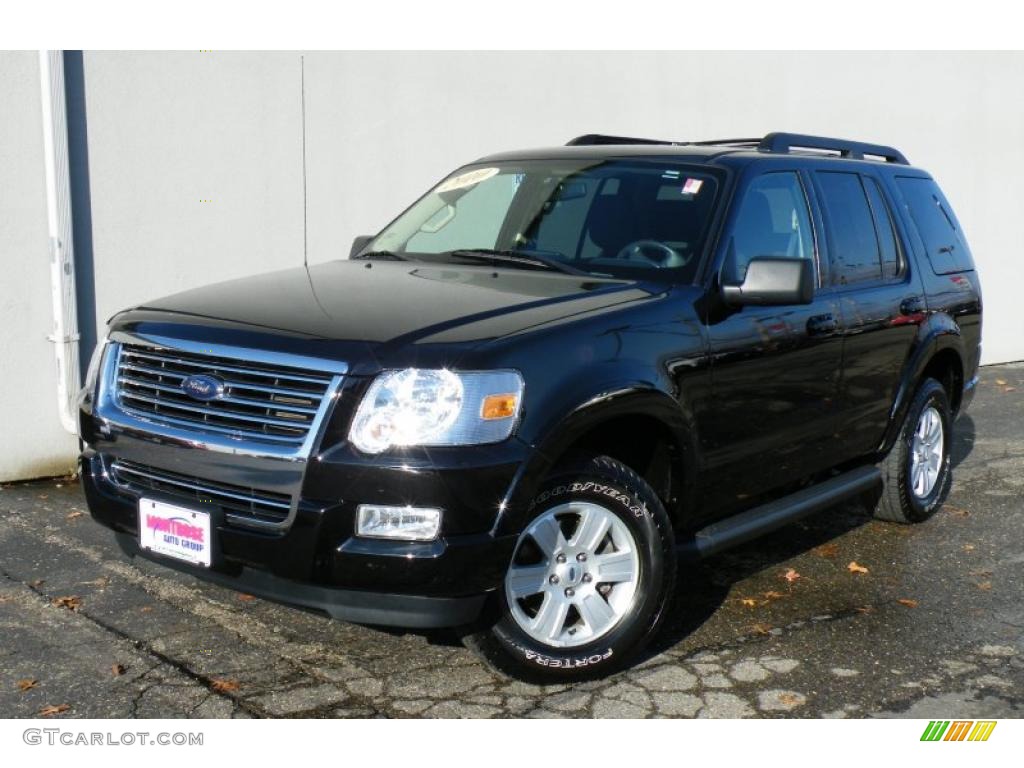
437	407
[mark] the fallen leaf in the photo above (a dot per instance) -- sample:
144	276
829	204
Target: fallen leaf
855	567
789	699
43	496
1001	382
907	602
761	629
37	583
118	669
1009	389
959	511
865	609
220	685
27	684
749	602
245	598
827	550
791	575
968	547
986	585
773	595
73	514
71	602
146	608
53	710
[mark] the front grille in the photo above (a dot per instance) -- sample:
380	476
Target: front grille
244	506
262	402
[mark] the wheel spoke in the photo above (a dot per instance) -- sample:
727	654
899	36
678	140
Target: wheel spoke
591	529
550	619
526	580
615	567
548	536
595	611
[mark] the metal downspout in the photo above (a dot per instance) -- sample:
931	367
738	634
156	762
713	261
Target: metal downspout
61	246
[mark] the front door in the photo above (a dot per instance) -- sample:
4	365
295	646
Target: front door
775	371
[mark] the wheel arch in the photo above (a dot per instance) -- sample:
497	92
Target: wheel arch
640	426
940	355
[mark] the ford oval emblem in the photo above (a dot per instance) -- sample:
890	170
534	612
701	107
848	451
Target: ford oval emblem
202	387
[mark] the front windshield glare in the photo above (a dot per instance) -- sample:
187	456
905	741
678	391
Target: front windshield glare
616	218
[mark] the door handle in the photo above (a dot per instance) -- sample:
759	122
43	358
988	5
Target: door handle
821	324
912	306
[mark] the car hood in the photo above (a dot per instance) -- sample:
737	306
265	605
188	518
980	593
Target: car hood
379	302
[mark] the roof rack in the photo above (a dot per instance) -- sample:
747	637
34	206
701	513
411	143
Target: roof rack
593	139
854	150
780	143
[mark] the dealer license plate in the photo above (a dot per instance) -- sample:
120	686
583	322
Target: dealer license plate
174	531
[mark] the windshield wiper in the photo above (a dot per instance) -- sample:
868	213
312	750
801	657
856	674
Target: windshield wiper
516	258
383	255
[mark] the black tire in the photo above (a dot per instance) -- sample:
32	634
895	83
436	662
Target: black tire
898	503
618	489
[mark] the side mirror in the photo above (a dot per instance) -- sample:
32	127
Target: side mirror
771	280
359	243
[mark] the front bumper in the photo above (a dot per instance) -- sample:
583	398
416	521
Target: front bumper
318	562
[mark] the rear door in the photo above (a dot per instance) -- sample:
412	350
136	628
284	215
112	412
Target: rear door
774	370
882	301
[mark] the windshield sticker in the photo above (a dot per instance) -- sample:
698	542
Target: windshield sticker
692	186
467	179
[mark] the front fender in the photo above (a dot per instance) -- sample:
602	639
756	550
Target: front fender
606	403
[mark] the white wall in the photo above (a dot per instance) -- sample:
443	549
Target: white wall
168	131
383	127
32	442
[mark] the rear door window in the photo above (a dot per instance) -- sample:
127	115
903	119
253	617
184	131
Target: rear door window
853	243
937	225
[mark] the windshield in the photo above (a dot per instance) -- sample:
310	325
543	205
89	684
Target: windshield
618	218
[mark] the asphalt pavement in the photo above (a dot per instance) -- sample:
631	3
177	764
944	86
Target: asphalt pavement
837	616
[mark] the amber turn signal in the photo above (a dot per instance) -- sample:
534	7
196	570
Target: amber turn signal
498	406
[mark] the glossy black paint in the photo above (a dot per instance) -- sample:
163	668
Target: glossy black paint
747	399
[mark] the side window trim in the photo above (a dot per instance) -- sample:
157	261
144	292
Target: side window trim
887	213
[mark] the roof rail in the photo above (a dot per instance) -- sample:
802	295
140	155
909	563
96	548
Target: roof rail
781	143
592	139
855	150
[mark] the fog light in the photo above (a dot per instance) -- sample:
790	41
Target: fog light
407	523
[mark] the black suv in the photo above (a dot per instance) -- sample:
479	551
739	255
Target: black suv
555	374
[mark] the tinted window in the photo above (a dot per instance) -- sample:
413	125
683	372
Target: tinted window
772	221
853	244
943	240
607	217
887	243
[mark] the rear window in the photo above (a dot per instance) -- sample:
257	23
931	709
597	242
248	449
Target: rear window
936	224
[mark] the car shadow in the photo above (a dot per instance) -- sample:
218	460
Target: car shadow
702	586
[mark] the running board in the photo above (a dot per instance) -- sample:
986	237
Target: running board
755	522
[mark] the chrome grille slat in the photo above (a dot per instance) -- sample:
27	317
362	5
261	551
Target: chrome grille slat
178	405
234	384
260	402
244	506
222	367
233	400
